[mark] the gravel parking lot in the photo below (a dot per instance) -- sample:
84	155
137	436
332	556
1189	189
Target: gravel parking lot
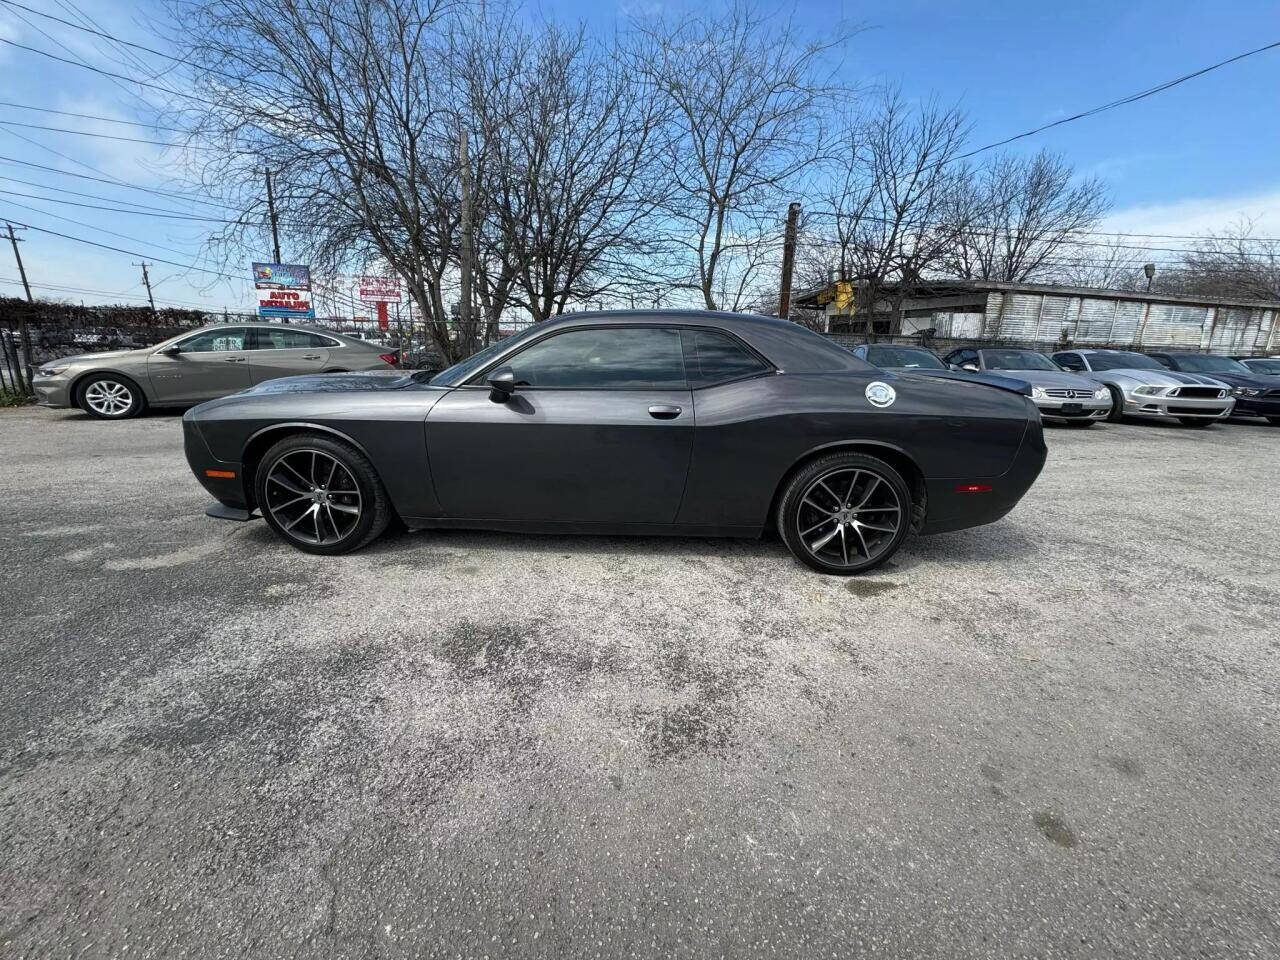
1054	737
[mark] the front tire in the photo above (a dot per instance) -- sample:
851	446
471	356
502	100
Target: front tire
110	397
844	513
1117	406
321	495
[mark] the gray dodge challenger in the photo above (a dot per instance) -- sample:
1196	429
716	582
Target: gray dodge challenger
198	365
653	422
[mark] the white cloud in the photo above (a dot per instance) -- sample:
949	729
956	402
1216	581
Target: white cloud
1201	215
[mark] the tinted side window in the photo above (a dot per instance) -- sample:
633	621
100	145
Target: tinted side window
269	338
215	341
717	358
605	358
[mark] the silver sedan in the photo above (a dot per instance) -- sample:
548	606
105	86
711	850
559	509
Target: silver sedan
1142	387
1060	396
197	366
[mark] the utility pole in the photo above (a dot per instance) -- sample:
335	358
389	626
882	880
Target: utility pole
271	212
466	253
788	260
22	318
147	281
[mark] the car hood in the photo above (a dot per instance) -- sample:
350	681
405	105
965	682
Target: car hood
1053	378
334	383
1258	381
99	355
1159	378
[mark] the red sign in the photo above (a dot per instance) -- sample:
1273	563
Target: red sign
382	315
377	289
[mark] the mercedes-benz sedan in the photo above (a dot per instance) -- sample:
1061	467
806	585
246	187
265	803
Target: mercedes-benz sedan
1061	396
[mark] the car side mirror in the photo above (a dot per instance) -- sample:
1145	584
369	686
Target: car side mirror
971	367
502	383
172	350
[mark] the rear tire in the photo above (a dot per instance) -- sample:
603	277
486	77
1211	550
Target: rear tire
1117	406
844	513
1194	422
321	495
108	396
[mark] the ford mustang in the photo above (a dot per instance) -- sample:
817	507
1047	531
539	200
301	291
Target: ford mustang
687	423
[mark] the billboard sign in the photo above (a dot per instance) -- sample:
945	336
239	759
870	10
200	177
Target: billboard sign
284	291
377	289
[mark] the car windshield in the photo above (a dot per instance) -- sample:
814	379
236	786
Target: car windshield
1122	360
1199	363
905	358
464	368
1016	360
1264	366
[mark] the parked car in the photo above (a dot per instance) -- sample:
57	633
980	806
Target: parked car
1061	396
586	424
197	365
1141	387
366	336
1257	394
923	361
1269	366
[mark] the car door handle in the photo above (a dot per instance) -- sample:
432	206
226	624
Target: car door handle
664	411
233	359
312	356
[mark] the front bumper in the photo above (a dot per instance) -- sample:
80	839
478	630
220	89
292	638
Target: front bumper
1264	406
1166	408
53	391
1054	408
222	478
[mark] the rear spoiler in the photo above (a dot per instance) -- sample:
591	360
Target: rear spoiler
986	379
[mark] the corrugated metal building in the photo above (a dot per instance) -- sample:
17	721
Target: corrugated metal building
1045	313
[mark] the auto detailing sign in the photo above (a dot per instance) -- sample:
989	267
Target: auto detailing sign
377	289
284	291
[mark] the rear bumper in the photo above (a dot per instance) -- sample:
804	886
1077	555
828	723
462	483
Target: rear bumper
222	478
955	504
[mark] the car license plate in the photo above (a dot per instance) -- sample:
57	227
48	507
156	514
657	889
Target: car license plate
1071	408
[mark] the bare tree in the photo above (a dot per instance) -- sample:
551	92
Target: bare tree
568	141
1017	215
882	209
1107	265
747	95
1232	264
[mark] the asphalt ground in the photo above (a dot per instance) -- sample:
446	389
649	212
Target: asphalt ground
1055	736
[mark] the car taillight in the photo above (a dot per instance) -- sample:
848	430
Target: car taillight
390	358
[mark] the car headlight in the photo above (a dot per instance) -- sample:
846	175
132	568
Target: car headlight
1101	393
51	371
1223	393
1246	392
1148	390
1038	393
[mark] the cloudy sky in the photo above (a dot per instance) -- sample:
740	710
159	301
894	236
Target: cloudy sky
1187	161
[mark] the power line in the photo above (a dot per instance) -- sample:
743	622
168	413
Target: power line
94	196
115	182
87	116
104	136
1131	98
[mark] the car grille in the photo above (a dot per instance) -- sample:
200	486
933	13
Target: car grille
1065	394
1272	393
1202	411
1196	393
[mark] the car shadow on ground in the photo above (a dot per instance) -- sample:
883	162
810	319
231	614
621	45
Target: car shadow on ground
995	543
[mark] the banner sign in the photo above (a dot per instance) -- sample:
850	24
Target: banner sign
284	291
377	289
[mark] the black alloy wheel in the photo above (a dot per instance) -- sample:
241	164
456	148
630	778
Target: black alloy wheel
845	513
321	495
